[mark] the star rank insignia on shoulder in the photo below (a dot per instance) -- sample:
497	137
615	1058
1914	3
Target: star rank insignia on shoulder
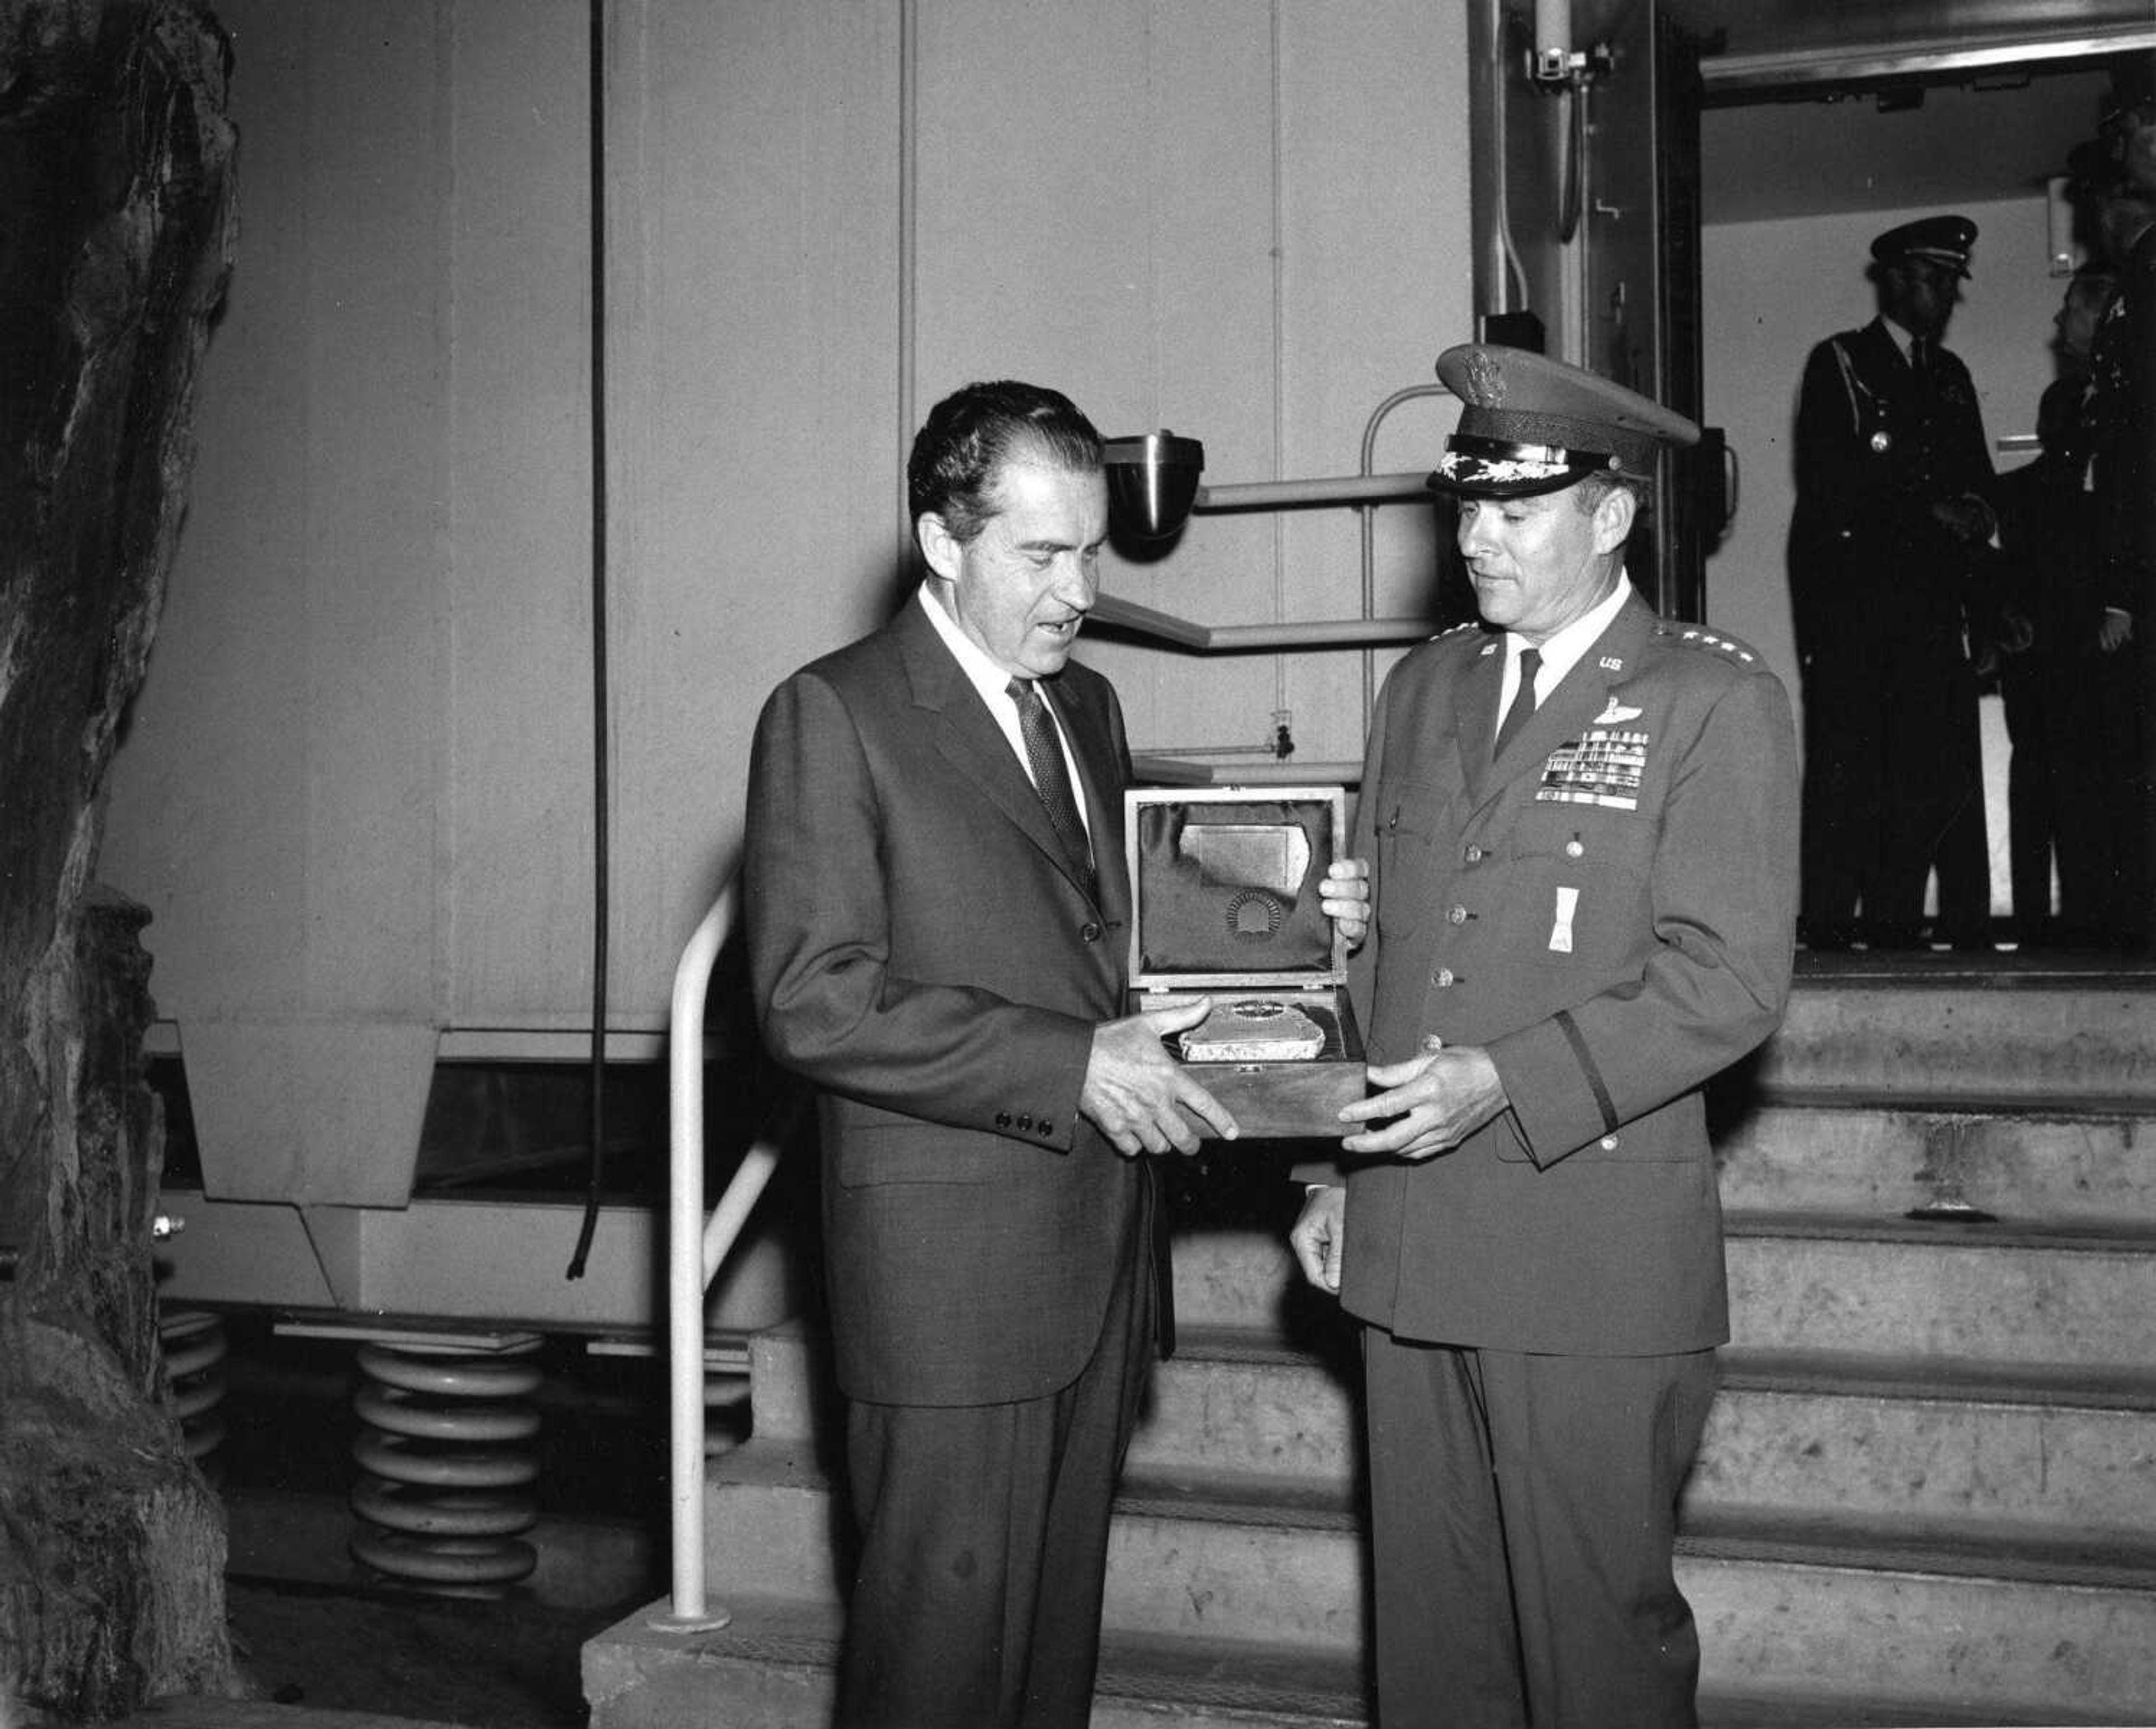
1698	636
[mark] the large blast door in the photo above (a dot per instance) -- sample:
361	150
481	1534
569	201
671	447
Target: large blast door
1586	120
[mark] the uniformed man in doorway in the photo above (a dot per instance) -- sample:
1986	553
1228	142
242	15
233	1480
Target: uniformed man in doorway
2121	410
1888	570
1581	913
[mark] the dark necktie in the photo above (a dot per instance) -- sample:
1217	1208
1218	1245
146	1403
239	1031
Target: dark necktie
1043	750
1920	363
1523	700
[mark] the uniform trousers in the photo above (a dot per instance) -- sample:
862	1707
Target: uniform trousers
984	1538
1524	1516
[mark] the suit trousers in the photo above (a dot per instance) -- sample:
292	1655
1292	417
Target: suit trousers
984	1538
1524	1516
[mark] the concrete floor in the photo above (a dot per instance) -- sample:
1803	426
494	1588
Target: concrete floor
317	1658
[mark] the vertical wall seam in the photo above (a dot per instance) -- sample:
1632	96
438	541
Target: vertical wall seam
909	96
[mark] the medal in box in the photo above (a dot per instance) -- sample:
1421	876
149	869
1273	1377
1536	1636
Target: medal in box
1224	894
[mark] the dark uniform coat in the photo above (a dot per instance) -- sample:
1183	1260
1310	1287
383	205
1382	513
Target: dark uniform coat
2122	411
1885	599
2071	712
1609	909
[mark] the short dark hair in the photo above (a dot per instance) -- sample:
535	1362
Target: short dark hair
975	432
1590	489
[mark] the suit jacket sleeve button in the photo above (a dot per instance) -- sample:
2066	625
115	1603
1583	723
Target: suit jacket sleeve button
1002	1118
1025	1120
1047	1128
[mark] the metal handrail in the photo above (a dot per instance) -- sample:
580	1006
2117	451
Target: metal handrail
695	1249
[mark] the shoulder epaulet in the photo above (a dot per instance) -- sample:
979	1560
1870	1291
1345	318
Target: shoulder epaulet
1713	642
1454	629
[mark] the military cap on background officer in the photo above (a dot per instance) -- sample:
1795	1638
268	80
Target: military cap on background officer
2130	98
1530	424
1946	241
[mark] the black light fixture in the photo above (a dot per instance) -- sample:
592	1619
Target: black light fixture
1152	482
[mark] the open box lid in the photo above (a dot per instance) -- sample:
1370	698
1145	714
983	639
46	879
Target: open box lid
1224	885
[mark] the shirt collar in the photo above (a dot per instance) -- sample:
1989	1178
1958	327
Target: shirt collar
1564	650
985	676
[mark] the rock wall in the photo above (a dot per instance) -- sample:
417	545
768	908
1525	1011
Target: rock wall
116	177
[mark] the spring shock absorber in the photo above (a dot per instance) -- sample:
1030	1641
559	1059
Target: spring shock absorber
439	1499
193	1343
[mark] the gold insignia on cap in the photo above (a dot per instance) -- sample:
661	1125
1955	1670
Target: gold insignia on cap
1486	378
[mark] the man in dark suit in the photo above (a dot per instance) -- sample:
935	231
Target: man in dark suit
937	911
1582	913
1886	557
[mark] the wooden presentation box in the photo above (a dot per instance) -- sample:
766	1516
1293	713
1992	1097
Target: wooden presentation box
1224	886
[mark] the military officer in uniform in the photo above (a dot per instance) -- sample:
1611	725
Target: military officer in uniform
1580	912
1887	563
2122	412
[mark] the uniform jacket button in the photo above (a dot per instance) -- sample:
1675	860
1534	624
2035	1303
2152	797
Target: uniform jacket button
1458	915
1610	1143
1089	932
1473	855
1442	978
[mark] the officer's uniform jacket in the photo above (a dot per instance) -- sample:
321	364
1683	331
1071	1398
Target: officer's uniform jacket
1609	909
2123	409
1874	453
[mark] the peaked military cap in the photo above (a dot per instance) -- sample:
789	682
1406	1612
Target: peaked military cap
2130	96
1930	239
1530	424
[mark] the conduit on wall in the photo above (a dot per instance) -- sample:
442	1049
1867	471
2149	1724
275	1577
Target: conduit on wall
601	898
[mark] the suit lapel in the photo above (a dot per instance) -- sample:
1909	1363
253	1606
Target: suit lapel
1475	710
968	738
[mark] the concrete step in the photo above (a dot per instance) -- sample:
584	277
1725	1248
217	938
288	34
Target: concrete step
1932	1037
772	1667
1892	1608
2066	1168
2022	1446
1978	1292
2007	1441
1891	1287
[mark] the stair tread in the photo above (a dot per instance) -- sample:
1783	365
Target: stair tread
2022	1105
2085	1236
1178	1677
1784	1368
1859	1374
1987	1548
1868	1541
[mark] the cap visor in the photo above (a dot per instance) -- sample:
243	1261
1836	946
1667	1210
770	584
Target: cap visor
1465	473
